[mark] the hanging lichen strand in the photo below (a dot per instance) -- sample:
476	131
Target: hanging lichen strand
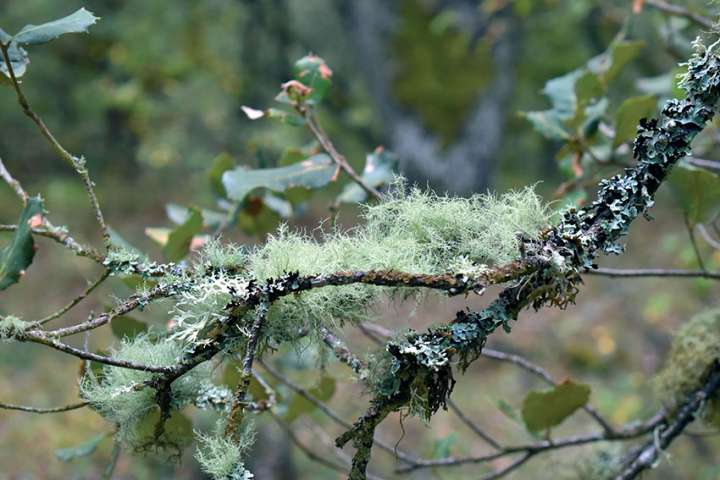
416	375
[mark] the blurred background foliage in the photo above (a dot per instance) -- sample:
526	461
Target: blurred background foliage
153	99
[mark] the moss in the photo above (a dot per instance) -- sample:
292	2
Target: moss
695	346
221	457
116	394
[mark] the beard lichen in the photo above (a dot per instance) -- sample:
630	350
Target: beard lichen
12	327
414	232
121	395
222	457
695	347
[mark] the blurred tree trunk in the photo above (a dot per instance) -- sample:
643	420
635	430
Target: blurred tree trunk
271	457
468	162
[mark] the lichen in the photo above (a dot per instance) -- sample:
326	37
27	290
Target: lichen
222	457
421	362
417	232
695	346
119	395
600	462
12	327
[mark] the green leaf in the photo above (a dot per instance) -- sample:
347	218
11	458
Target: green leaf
179	215
548	124
316	171
119	242
588	88
180	239
18	60
77	22
697	191
313	72
82	450
299	405
4	37
442	446
17	256
221	163
278	205
159	235
545	409
508	410
628	116
609	64
561	92
379	170
127	327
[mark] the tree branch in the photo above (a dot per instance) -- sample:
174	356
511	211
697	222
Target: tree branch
674	425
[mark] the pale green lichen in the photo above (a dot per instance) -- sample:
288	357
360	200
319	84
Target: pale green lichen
417	232
413	232
204	303
600	462
694	348
12	327
221	457
217	256
119	396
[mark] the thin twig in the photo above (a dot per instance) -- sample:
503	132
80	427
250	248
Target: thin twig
343	353
305	449
708	237
74	302
25	408
330	413
13	183
472	425
678	11
647	456
513	466
703	163
693	242
77	163
545	375
336	156
40	338
108	473
237	410
653	272
628	432
59	235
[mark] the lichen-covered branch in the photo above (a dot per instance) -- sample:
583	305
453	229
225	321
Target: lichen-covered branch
647	455
418	374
